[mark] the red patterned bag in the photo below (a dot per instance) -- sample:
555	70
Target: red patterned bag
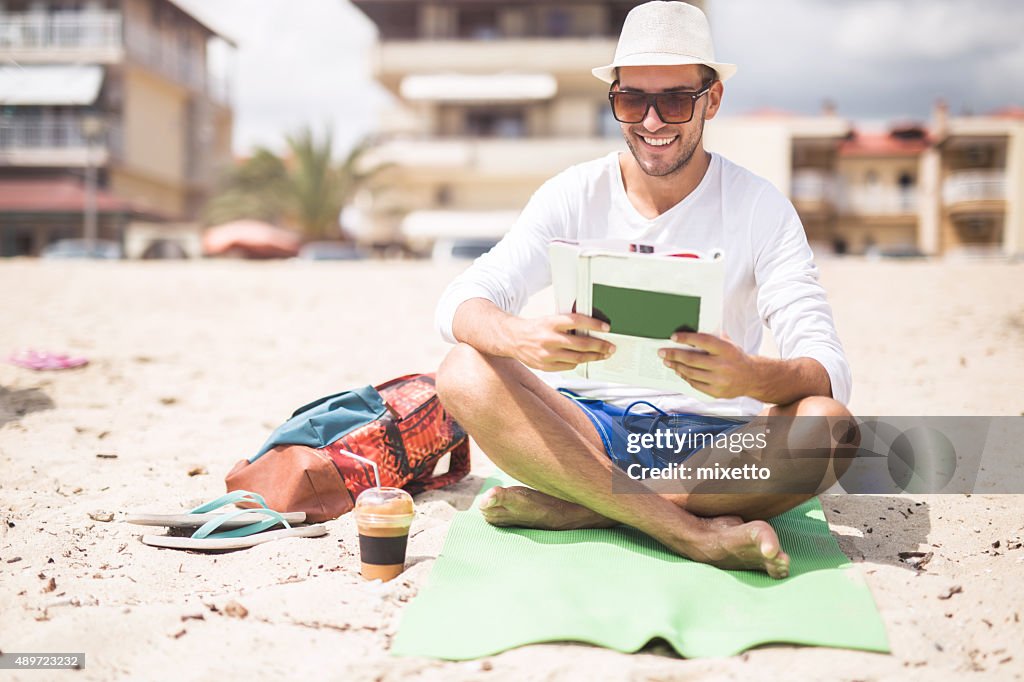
314	461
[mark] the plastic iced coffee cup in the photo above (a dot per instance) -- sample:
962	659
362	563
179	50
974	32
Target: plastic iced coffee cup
383	516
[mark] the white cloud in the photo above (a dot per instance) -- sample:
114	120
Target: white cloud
308	61
297	63
881	30
876	58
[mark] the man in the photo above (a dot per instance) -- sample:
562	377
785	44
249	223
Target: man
570	450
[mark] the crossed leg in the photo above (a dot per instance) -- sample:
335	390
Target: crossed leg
538	436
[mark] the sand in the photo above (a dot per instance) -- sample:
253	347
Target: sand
194	363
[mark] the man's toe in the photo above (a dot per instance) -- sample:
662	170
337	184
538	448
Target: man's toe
491	498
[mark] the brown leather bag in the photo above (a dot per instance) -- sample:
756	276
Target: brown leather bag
295	478
400	425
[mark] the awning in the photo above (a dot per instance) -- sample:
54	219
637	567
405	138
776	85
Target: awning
44	84
499	87
457	224
55	195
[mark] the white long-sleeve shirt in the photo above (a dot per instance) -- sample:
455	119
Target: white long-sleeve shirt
770	279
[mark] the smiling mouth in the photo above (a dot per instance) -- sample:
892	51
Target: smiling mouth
658	142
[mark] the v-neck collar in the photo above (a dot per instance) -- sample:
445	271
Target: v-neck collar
620	190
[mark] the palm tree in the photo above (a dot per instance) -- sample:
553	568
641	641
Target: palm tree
256	188
316	188
307	189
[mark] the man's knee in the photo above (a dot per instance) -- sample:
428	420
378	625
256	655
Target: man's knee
455	375
820	406
464	377
810	428
821	431
818	421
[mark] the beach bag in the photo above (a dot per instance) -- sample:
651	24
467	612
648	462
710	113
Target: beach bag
325	454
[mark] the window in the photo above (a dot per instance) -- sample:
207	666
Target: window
976	229
617	17
400	20
978	156
906	196
607	126
16	240
504	122
479	23
444	195
557	23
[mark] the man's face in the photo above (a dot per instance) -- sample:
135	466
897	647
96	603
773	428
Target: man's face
660	148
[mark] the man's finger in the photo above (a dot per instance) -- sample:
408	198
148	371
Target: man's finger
577	321
586	344
691	358
689	373
702	386
708	342
559	367
575	358
591	357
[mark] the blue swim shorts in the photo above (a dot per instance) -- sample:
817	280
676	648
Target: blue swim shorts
651	439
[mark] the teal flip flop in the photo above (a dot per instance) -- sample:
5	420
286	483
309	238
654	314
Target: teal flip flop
205	513
235	529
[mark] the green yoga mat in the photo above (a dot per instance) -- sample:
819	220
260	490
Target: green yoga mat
494	589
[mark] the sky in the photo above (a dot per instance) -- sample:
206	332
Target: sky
310	61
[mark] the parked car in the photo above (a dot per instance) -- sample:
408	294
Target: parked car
462	249
164	249
100	249
327	250
906	251
899	251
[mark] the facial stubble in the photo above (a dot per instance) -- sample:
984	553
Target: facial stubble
685	156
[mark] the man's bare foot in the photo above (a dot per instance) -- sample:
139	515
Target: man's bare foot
744	546
528	508
726	541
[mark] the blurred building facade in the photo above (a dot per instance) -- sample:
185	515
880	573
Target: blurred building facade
109	103
981	167
953	186
492	98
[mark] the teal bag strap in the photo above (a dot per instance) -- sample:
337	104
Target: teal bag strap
206	530
230	498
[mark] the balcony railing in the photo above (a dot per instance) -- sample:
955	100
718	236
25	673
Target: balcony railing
60	30
974	185
63	135
75	32
812	187
493	156
163	52
877	201
559	56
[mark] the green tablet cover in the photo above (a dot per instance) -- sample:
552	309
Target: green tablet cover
648	314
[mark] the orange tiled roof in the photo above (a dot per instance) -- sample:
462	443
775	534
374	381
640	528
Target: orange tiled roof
1012	111
882	144
770	112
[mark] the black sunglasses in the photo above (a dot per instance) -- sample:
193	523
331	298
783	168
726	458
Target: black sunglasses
671	107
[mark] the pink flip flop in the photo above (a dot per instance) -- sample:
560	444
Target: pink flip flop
43	360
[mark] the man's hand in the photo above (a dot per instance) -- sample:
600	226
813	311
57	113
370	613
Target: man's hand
718	367
545	343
